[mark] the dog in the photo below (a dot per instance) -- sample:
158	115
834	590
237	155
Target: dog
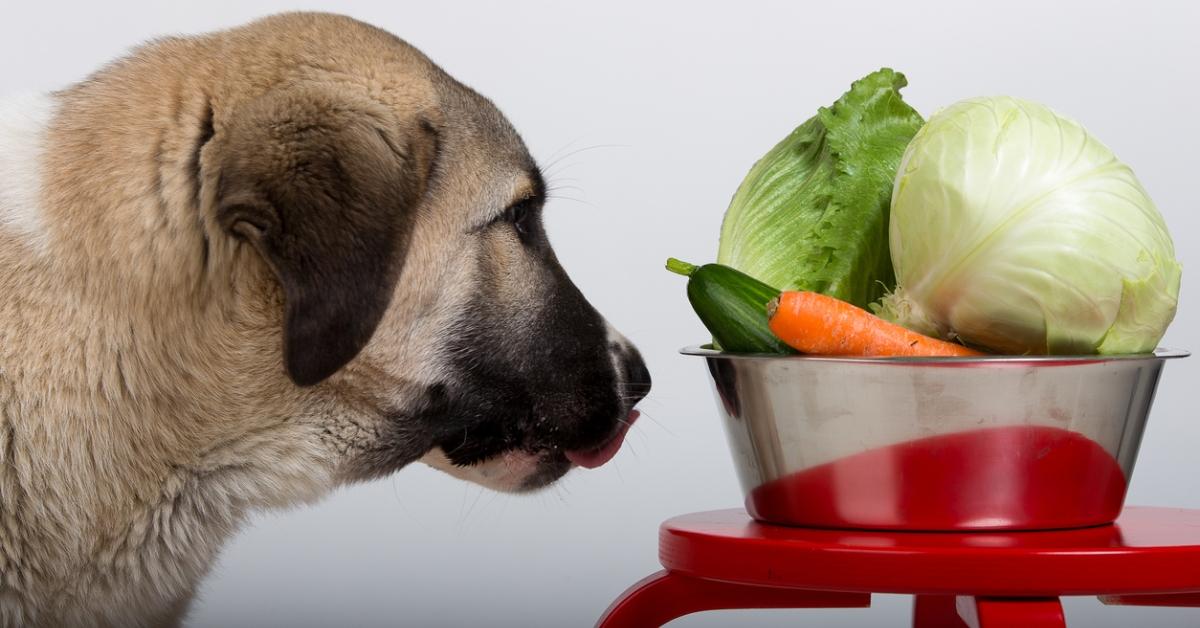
240	269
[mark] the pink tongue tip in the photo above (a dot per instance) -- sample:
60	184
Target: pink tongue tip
592	458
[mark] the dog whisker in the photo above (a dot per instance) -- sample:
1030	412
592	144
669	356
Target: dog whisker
554	194
551	182
495	495
404	505
555	175
503	507
551	189
581	150
557	491
571	198
657	399
555	181
462	505
553	156
658	423
478	495
633	449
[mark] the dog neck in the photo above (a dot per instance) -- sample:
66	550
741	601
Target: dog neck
136	429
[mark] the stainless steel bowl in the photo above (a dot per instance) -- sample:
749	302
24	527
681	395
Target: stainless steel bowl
992	443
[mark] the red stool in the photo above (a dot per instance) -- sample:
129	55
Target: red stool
724	560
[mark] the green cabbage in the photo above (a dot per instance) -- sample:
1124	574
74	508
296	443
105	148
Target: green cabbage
1015	230
813	213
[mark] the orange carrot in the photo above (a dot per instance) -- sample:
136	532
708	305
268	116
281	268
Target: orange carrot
810	322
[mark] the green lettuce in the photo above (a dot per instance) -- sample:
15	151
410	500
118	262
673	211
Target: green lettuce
813	213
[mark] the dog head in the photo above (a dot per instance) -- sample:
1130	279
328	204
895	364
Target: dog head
396	218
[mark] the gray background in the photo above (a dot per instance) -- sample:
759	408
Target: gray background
648	115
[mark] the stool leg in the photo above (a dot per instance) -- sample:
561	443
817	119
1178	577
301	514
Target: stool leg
666	595
936	611
999	612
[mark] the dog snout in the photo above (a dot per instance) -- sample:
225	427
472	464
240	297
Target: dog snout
637	379
633	378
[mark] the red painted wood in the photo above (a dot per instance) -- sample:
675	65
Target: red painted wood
1148	550
1011	612
664	596
936	611
724	560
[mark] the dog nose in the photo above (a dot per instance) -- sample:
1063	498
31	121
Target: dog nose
637	379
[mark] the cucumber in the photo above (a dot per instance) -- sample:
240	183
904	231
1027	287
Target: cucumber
732	305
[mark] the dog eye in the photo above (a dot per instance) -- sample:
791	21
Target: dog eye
518	216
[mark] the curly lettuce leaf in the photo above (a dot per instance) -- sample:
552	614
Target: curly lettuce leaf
812	214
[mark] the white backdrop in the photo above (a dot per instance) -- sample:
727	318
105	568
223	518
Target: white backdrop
656	111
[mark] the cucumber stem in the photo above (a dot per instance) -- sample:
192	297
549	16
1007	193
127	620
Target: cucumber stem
680	267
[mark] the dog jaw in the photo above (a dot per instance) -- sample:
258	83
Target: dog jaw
513	471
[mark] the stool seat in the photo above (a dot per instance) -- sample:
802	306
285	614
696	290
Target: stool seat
724	559
1148	550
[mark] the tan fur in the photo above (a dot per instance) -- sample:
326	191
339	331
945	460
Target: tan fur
144	409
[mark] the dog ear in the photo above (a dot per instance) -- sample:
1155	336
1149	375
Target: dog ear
324	186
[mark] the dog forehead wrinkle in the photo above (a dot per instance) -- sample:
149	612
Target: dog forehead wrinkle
481	129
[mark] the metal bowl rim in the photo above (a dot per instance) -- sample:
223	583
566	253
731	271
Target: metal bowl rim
1160	353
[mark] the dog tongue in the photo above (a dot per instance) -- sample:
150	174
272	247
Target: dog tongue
592	458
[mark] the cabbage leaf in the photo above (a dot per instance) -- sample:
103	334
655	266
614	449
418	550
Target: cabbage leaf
1016	230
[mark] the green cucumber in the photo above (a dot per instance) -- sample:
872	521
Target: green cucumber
732	305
